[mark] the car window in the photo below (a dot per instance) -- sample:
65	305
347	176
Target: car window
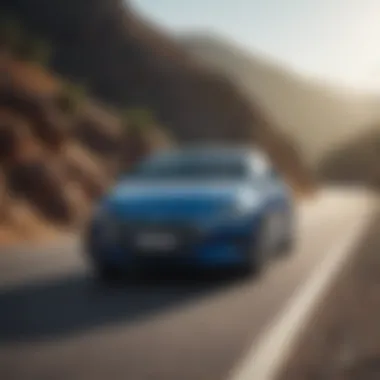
202	167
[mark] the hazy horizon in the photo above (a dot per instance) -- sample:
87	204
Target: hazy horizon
336	41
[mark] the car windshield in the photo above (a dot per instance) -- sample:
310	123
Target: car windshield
191	168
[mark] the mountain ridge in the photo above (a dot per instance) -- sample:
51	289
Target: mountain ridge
262	58
315	115
125	61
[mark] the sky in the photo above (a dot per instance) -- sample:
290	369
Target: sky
334	40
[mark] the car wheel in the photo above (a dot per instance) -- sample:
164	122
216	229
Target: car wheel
259	250
106	273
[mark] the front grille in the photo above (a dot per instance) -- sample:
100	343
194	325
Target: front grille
187	234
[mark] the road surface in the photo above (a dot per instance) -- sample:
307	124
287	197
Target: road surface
56	323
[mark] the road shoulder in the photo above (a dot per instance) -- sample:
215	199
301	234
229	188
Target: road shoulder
267	357
343	339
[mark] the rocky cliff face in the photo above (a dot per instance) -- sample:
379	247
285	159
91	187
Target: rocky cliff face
53	164
124	61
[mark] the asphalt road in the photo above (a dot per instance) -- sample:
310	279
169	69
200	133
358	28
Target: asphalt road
57	323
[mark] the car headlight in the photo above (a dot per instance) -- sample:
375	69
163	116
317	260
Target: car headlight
245	203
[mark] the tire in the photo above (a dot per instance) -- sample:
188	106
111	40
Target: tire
258	252
106	274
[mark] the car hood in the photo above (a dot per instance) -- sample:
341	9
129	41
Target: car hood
172	200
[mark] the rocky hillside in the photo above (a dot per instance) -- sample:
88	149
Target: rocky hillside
58	152
125	61
317	117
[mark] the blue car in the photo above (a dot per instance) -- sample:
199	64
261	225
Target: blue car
205	207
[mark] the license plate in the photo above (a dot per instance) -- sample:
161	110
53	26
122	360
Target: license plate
156	241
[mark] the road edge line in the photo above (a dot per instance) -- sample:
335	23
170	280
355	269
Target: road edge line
265	360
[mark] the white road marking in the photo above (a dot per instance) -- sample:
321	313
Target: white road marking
265	358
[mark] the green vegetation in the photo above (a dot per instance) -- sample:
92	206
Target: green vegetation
72	97
139	118
35	50
20	43
11	32
142	122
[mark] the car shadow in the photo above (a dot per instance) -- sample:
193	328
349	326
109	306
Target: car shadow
78	303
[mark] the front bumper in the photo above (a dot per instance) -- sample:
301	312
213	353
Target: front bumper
224	246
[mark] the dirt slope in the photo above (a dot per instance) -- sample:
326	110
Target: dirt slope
54	164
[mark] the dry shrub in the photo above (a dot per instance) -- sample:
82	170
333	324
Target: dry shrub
139	142
158	139
92	185
25	224
142	135
86	170
51	128
96	136
29	150
80	203
46	123
8	142
35	182
96	139
13	129
30	78
70	98
135	146
5	201
99	130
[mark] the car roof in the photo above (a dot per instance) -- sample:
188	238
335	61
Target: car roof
237	151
